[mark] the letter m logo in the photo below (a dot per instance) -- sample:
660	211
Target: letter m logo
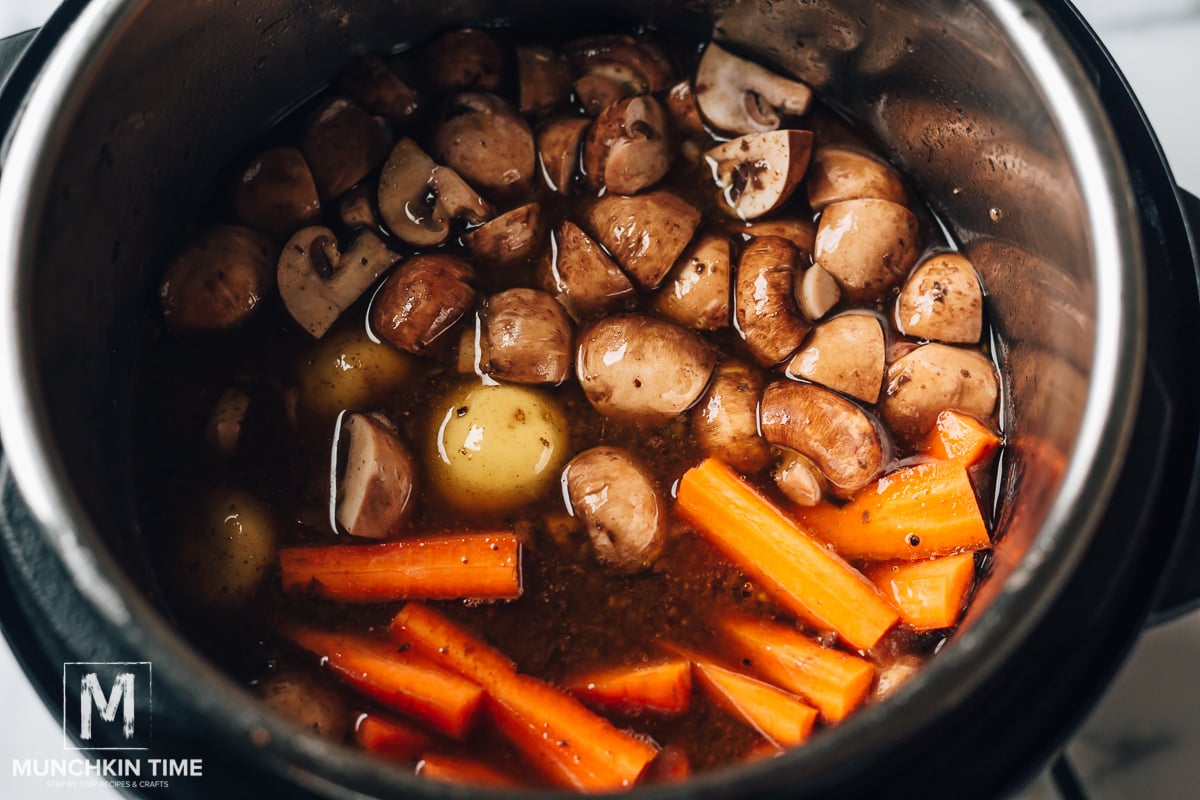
106	706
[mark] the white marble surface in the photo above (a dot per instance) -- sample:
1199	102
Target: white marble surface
1144	738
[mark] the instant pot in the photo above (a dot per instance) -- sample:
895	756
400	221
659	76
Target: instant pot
1008	116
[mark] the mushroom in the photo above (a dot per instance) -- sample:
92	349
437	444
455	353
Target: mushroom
798	231
646	234
418	198
218	280
318	282
545	79
626	150
375	496
621	508
725	421
647	61
558	144
607	84
342	144
942	300
817	292
275	193
580	274
832	432
738	96
356	210
799	479
421	301
483	139
763	301
308	703
509	238
526	337
639	369
682	109
840	173
846	354
465	59
867	245
894	675
696	293
760	171
224	430
372	83
932	378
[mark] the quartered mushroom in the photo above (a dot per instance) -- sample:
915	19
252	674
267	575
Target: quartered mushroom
465	59
846	354
697	292
581	275
375	496
525	337
421	301
737	96
941	300
372	83
275	193
644	58
509	238
559	142
224	430
342	144
639	369
646	234
627	149
218	280
621	508
798	231
545	79
817	292
607	84
764	304
841	173
683	111
317	281
725	421
935	377
759	172
798	478
356	209
418	198
486	141
831	431
867	245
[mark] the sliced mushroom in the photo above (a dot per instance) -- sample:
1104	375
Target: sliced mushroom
725	421
621	508
697	292
318	282
846	354
356	210
372	83
418	198
839	173
526	337
483	139
607	84
828	429
738	96
645	58
942	300
342	144
509	238
800	232
760	171
580	274
867	245
465	59
763	301
545	79
218	280
817	292
627	149
375	496
799	479
225	423
682	109
932	378
275	193
558	145
640	369
421	301
646	234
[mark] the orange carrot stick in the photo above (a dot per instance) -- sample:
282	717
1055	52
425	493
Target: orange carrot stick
574	747
389	738
449	769
914	513
484	566
833	681
799	572
929	594
397	679
957	435
659	688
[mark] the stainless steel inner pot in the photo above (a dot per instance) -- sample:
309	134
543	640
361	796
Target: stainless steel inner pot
982	104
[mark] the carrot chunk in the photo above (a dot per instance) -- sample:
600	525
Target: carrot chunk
658	688
797	570
914	513
450	769
571	745
389	738
833	681
929	594
481	566
957	435
401	681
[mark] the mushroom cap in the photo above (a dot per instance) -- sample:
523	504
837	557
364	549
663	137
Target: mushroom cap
545	79
867	245
621	508
465	59
483	139
942	300
558	144
841	173
683	111
846	354
799	479
510	238
627	149
581	275
218	280
275	193
763	300
932	378
375	495
697	292
418	198
797	230
526	337
372	83
644	58
421	301
342	144
725	421
737	96
759	172
646	233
